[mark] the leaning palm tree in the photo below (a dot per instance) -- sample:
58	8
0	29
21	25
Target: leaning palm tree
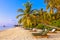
26	15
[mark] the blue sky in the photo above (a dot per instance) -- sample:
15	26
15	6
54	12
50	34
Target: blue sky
8	9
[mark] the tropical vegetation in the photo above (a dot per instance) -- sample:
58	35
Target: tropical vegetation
34	18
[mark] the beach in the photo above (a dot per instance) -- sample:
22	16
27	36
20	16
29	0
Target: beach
19	33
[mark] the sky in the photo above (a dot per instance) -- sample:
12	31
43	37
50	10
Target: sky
8	9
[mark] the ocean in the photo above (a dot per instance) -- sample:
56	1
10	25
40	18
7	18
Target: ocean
6	27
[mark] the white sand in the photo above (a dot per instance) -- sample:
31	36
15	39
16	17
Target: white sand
21	34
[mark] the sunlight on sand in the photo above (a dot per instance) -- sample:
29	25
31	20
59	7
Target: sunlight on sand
19	33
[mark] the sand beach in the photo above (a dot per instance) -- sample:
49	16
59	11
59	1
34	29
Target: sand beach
19	33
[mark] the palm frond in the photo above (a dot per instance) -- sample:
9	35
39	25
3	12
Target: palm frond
27	4
20	10
46	1
47	7
34	11
20	21
19	15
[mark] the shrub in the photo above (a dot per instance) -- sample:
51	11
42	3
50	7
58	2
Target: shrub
56	23
40	26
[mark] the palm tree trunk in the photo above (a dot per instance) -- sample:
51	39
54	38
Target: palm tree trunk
52	26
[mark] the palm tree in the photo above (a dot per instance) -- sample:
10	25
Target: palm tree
35	17
50	5
53	4
40	15
26	15
43	16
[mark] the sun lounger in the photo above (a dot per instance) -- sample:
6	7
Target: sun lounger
52	31
33	30
40	34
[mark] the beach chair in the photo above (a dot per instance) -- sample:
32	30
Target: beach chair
52	31
33	30
42	34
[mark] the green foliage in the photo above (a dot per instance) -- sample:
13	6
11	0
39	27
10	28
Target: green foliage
56	23
40	26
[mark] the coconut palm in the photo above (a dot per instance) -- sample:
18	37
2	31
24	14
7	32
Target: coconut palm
53	4
50	5
35	18
26	15
43	16
40	15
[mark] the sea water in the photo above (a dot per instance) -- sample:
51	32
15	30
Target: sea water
5	28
